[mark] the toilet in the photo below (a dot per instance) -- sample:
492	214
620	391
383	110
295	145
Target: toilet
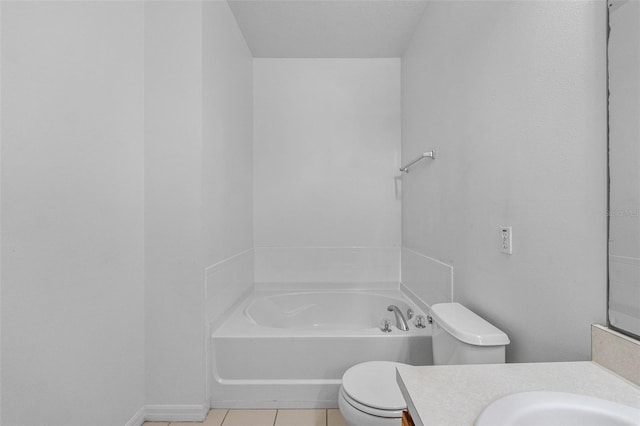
369	395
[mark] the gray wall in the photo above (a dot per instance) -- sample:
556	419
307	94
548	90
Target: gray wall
174	284
327	145
121	126
512	95
72	212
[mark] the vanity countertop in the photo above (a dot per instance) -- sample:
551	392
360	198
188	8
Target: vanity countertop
455	395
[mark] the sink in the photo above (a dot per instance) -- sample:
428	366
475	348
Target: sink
556	409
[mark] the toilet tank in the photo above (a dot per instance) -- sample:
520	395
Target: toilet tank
462	337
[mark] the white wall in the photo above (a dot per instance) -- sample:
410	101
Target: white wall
127	169
174	279
227	163
199	190
227	159
139	133
326	149
72	212
512	96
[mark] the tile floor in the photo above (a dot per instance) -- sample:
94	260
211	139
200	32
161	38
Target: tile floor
223	417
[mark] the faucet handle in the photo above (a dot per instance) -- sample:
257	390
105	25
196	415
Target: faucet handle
409	313
385	325
421	321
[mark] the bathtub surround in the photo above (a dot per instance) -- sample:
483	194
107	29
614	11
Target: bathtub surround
228	282
430	280
512	95
303	265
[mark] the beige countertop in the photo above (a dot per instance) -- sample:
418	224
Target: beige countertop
455	395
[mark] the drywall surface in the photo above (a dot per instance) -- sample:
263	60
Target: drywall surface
512	96
327	264
227	162
327	29
227	134
116	145
174	274
72	212
326	149
227	159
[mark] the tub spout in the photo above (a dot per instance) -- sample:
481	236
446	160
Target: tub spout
401	323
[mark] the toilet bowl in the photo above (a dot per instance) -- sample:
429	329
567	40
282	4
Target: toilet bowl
370	396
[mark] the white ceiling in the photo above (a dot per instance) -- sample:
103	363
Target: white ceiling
327	28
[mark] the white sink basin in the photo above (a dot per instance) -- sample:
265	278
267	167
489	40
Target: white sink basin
556	409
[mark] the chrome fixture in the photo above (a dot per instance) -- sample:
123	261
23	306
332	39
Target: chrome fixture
428	154
401	323
409	313
385	325
421	321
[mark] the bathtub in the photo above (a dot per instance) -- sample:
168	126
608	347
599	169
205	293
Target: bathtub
286	348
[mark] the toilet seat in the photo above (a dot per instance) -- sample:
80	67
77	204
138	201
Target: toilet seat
387	414
371	387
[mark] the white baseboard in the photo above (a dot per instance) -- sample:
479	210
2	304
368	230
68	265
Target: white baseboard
137	419
176	413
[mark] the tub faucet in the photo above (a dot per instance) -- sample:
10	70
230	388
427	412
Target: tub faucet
401	323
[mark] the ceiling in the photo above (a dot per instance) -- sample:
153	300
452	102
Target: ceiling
327	28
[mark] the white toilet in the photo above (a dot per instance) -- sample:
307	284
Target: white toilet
369	395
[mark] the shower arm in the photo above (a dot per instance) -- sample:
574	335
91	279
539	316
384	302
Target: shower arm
429	154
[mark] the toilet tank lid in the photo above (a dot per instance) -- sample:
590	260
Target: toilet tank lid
466	326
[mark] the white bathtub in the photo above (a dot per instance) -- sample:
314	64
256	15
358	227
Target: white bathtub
289	349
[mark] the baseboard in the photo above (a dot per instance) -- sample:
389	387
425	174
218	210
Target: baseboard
137	419
176	413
